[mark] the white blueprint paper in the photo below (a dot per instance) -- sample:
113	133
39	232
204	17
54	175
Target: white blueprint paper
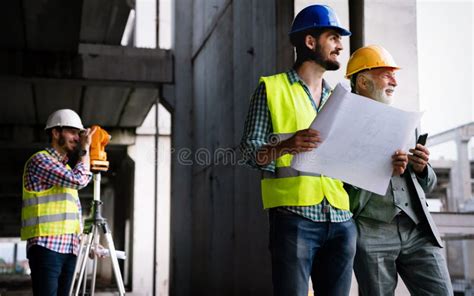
359	136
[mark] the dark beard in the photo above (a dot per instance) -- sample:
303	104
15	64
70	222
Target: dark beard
62	144
61	141
325	63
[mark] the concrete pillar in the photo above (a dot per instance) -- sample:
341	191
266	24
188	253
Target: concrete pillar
468	259
356	21
181	202
462	192
165	23
142	154
463	166
163	203
145	23
460	176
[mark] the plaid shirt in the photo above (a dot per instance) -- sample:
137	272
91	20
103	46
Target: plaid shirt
44	171
258	129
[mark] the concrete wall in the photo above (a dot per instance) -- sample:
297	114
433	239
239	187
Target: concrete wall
219	230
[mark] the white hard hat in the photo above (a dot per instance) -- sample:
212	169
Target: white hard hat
63	118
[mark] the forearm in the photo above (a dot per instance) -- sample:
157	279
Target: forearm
269	153
258	127
85	159
55	173
77	178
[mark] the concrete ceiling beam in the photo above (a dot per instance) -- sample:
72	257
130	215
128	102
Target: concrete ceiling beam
93	62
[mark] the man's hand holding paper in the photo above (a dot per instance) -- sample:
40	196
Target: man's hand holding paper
302	141
360	138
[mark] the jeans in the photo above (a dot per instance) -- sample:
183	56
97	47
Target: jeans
301	248
51	272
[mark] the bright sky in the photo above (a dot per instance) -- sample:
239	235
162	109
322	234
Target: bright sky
445	61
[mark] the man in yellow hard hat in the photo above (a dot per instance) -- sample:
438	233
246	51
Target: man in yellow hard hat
51	210
396	233
311	230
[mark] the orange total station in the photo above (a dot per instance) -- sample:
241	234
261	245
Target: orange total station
98	156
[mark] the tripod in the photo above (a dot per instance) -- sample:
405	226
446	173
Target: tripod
92	226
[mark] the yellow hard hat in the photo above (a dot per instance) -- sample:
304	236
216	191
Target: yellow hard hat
369	57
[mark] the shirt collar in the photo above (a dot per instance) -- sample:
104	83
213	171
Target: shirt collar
294	77
56	155
325	92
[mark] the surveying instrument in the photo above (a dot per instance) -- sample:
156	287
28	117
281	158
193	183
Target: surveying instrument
95	223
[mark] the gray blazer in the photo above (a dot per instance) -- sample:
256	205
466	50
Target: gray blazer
359	199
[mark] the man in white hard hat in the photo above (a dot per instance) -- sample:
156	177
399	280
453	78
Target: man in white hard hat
51	211
396	233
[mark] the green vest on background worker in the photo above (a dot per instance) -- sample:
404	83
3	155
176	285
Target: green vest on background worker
311	230
51	210
396	233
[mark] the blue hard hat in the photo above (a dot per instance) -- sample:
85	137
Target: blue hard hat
315	17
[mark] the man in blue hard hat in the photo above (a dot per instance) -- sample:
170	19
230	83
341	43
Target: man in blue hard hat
312	233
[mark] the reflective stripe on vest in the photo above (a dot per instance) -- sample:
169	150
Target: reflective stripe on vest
291	110
49	212
49	198
51	218
286	172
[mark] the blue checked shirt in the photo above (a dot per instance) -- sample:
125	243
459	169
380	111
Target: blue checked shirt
258	129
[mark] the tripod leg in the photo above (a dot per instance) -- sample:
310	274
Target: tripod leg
83	263
84	281
115	265
94	265
79	260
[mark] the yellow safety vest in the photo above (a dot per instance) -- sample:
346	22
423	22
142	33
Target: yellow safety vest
290	111
49	212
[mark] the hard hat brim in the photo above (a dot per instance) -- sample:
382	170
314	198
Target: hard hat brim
349	75
340	30
66	126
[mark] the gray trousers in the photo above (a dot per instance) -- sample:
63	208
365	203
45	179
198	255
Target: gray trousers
385	249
